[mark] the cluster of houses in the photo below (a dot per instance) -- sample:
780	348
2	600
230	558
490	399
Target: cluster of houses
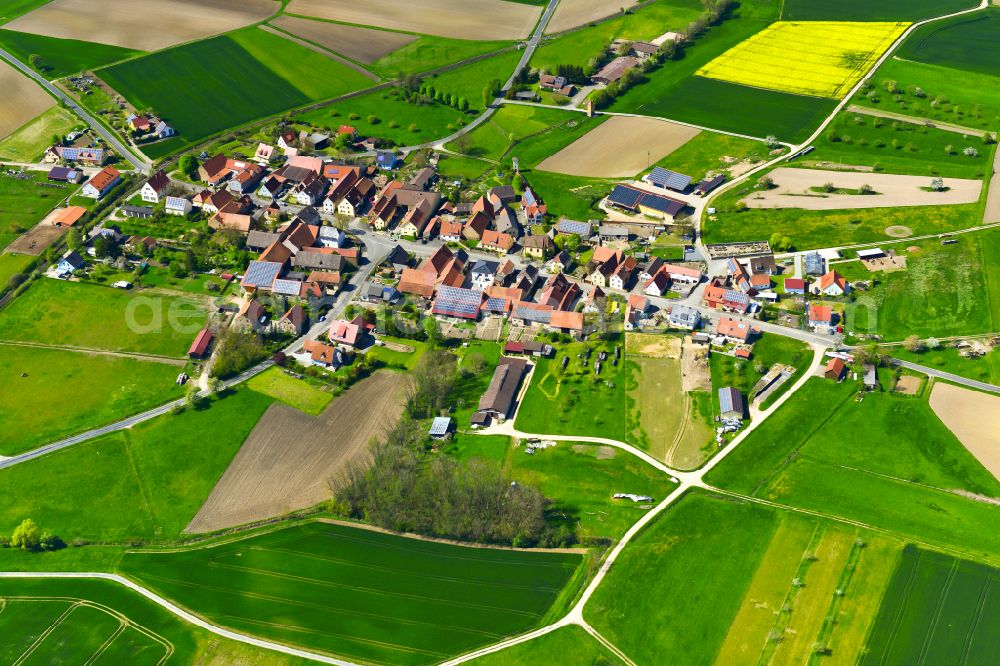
77	148
149	128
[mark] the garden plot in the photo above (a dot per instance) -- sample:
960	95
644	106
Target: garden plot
816	58
798	188
289	458
145	25
572	13
22	101
461	19
974	418
362	44
608	151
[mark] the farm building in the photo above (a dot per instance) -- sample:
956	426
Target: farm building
581	229
615	70
708	185
871	253
795	286
636	201
68	216
529	348
457	302
178	206
835	369
498	401
260	275
731	404
668	180
59	174
138	212
199	348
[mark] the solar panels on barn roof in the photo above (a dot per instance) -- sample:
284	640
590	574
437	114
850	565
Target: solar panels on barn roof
261	273
496	304
632	198
581	229
458	302
661	177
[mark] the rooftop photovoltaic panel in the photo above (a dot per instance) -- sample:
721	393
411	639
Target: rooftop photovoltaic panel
261	273
666	178
458	302
496	304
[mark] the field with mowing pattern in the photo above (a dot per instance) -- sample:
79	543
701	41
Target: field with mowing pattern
937	609
62	57
298	393
967	42
29	142
864	10
12	264
816	58
361	594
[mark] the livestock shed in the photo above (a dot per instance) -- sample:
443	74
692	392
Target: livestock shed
637	201
498	401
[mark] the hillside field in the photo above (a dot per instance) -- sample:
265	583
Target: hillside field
361	594
62	57
967	42
864	10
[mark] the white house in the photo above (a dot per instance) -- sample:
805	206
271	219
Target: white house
657	285
332	237
178	206
155	188
101	183
483	274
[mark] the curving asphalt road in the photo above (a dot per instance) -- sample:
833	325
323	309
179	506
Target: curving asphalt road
112	140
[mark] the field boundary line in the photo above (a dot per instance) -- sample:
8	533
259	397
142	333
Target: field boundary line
180	613
119	630
45	634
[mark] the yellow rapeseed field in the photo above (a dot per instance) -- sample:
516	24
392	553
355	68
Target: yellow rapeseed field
816	58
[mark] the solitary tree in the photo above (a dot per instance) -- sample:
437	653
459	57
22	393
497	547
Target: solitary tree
937	184
433	330
26	536
188	165
912	344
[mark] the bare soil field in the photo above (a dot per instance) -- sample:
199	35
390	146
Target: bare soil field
22	100
908	385
599	153
792	190
652	346
974	418
573	13
362	44
320	50
145	25
289	457
35	240
459	19
695	372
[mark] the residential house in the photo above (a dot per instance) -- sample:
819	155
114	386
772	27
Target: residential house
682	275
475	226
346	334
101	183
650	269
495	241
450	231
534	209
815	264
163	130
763	265
537	247
643	50
683	316
294	321
251	316
560	263
387	159
734	330
483	273
155	188
332	237
831	283
795	286
719	297
69	263
821	318
310	192
560	293
623	274
657	285
264	153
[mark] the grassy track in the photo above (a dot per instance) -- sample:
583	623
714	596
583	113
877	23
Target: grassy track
862	10
143	485
936	609
361	594
62	57
199	100
85	315
48	394
567	645
81	634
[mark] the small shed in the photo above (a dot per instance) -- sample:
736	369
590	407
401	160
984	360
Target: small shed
440	427
731	404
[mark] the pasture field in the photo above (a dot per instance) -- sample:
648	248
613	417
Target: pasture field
816	58
567	645
93	390
289	458
580	479
597	153
469	80
712	152
76	314
298	393
948	95
33	605
398	360
141	485
898	147
971	416
176	21
466	19
362	594
682	575
363	45
967	42
24	100
985	369
571	402
226	94
29	142
426	53
452	167
62	57
572	196
23	203
579	47
928	586
861	10
945	290
12	264
11	9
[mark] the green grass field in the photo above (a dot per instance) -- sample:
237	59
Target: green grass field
153	635
469	80
12	264
860	10
574	197
575	401
949	95
49	394
965	42
361	594
397	359
903	148
427	53
141	485
683	576
675	92
76	314
706	151
199	101
457	167
926	588
29	142
296	392
566	645
946	290
767	351
11	9
62	57
985	369
23	204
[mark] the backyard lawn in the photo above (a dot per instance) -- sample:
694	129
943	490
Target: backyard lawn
23	203
298	393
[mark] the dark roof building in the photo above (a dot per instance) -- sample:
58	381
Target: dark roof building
634	200
498	401
458	302
731	404
671	180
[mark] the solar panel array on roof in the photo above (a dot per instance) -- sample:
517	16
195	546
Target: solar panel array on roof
663	204
626	197
261	273
581	229
632	198
286	287
458	302
538	315
730	400
496	304
670	179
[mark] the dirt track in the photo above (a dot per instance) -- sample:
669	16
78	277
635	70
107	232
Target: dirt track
974	418
145	25
459	19
22	100
362	44
610	149
289	457
792	190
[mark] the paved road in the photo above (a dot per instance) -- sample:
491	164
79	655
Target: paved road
947	376
182	614
112	140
